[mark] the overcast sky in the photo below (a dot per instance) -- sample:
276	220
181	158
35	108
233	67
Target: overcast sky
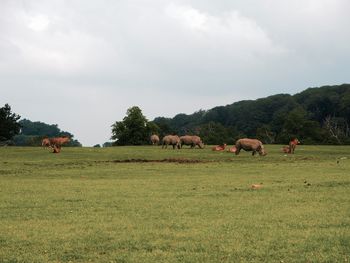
81	64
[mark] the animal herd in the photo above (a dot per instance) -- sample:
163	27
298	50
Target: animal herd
178	142
55	143
252	145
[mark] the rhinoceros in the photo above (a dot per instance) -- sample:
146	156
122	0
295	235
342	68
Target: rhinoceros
250	145
154	139
191	140
173	140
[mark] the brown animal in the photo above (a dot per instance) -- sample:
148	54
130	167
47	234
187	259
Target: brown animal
173	140
45	143
291	147
154	139
232	149
293	144
253	145
220	147
192	141
256	186
57	142
286	149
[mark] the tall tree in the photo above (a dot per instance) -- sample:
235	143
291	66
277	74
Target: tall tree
134	129
274	119
216	133
9	125
32	133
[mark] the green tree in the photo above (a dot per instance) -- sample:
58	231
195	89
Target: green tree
37	128
164	126
274	119
298	125
216	133
153	128
265	134
337	130
294	122
32	133
133	130
9	125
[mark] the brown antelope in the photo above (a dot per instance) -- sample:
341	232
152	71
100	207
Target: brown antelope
292	144
57	142
220	147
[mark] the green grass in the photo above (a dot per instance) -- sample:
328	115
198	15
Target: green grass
81	205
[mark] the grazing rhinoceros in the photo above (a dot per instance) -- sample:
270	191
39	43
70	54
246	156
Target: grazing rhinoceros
173	140
250	145
191	140
154	139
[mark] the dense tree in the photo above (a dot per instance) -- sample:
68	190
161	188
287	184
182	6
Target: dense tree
38	128
33	132
336	129
135	129
9	125
265	134
164	126
316	115
216	133
152	128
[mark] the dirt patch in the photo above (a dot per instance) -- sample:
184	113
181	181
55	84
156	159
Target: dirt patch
306	158
168	160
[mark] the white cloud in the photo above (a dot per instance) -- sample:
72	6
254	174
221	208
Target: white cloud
189	16
38	22
165	56
230	32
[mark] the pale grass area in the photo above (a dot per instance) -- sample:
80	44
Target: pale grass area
80	206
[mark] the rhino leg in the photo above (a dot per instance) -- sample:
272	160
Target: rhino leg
238	150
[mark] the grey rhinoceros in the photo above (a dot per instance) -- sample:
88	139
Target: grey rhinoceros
154	139
173	140
250	145
191	140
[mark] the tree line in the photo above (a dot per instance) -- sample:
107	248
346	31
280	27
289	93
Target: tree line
14	131
316	116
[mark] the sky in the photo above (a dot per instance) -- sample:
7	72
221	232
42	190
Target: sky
81	63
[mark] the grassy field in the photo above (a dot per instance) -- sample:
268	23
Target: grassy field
89	204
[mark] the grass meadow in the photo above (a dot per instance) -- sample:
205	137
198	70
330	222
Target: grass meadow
90	205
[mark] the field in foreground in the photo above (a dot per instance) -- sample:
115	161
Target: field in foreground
88	204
